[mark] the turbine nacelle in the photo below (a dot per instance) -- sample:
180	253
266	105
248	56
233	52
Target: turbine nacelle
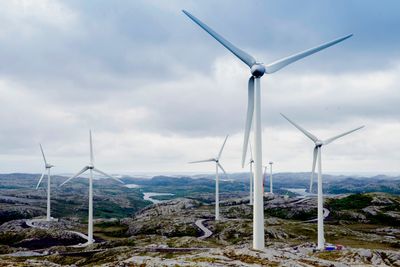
47	167
216	159
257	70
319	143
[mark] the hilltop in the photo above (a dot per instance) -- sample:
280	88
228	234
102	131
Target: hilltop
130	230
166	234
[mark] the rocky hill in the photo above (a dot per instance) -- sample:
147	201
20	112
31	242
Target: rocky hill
170	233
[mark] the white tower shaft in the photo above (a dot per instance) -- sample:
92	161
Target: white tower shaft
90	220
216	193
270	181
251	183
48	216
258	207
321	239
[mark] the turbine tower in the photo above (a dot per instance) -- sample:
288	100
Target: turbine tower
264	178
251	162
271	191
317	156
217	166
91	169
47	168
257	70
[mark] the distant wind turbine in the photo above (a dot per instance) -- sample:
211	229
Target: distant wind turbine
217	166
257	70
271	191
251	162
264	178
317	155
91	169
47	168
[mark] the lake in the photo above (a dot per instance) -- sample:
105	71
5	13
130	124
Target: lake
148	196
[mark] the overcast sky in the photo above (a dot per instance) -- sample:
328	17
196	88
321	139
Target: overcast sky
157	91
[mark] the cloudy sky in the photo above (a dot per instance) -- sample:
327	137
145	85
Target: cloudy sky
158	92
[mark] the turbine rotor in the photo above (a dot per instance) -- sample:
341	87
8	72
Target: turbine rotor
319	143
257	70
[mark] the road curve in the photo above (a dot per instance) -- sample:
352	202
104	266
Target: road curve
325	214
206	232
31	223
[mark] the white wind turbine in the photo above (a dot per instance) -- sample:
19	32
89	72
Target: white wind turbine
317	156
251	162
257	70
91	169
217	166
47	168
271	191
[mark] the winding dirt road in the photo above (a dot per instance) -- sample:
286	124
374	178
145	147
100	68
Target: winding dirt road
206	232
31	223
325	214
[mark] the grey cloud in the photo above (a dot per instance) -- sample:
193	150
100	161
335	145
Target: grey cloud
150	82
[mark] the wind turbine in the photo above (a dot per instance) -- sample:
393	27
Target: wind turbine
217	166
251	162
257	70
264	178
47	168
91	169
271	191
317	156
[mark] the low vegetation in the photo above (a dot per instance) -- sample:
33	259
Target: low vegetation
351	202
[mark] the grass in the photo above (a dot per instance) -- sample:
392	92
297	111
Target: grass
356	243
9	238
352	202
250	259
329	255
205	259
108	231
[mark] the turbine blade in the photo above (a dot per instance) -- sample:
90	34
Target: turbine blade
249	118
330	140
205	160
107	175
91	147
243	56
44	158
313	167
220	166
308	134
222	148
76	175
279	64
41	178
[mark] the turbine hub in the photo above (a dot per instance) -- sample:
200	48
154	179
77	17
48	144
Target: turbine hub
319	143
90	167
257	70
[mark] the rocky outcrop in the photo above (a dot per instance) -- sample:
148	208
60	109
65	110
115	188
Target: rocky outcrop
167	208
177	215
18	234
